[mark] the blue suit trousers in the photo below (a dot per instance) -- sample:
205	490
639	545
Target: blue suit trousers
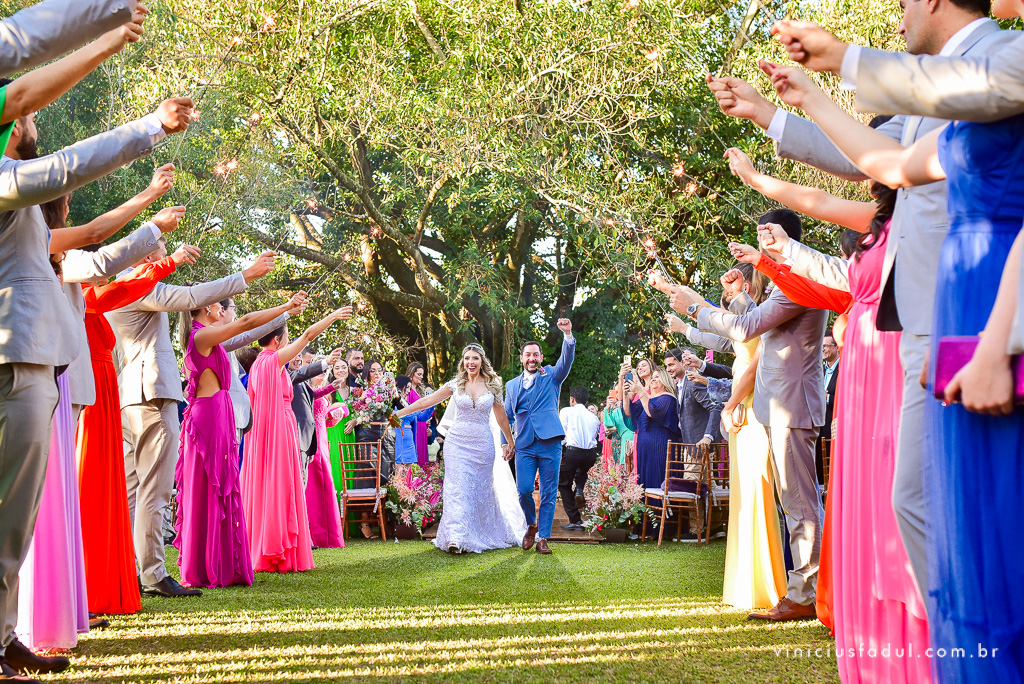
544	456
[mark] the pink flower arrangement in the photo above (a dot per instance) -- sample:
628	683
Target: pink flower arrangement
375	403
414	494
614	498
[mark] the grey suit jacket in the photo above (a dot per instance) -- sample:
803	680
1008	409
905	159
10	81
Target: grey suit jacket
149	368
239	396
302	402
830	271
699	414
919	222
984	88
790	386
79	267
37	34
33	308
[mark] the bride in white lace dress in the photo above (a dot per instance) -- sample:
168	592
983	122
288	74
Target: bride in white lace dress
481	505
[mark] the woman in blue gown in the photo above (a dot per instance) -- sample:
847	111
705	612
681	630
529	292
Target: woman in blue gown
654	413
972	463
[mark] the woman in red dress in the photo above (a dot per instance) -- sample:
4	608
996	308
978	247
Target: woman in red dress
110	576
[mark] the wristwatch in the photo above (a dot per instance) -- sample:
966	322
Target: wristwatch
692	309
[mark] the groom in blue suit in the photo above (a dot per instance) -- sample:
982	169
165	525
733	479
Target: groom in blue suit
531	403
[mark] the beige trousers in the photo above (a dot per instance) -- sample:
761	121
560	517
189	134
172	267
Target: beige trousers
151	436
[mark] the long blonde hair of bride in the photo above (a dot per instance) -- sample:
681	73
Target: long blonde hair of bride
492	381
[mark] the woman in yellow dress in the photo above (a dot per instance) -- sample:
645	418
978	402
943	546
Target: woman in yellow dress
755	572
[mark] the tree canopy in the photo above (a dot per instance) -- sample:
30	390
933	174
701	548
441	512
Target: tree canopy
464	171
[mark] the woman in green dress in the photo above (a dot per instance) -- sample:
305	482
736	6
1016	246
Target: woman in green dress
343	432
619	428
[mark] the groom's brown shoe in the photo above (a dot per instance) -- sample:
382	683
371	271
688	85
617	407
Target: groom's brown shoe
786	610
529	537
542	546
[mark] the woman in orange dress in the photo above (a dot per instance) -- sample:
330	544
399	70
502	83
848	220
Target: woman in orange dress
110	577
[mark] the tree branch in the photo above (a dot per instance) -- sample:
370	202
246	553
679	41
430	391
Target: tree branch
435	47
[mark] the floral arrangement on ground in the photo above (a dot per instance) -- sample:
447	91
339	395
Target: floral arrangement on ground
414	494
613	498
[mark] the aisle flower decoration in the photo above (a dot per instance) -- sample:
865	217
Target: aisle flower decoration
613	498
376	403
414	495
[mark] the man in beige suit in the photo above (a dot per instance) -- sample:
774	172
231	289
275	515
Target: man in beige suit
150	387
789	400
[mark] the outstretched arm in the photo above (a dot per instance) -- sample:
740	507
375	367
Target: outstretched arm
432	399
565	359
801	198
212	335
40	87
874	153
102	227
292	349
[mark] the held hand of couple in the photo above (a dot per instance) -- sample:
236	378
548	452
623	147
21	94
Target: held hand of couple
508	452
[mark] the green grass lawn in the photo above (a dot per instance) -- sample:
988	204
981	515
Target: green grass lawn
379	611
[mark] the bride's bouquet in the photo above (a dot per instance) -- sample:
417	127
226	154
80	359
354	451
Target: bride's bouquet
414	495
376	403
614	498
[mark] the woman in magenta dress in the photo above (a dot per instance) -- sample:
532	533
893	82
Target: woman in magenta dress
272	494
211	533
321	498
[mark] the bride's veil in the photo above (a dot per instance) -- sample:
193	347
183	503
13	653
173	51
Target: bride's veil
504	484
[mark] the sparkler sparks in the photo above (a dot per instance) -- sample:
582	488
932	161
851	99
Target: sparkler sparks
691	188
632	4
269	23
653	55
678	169
237	40
254	118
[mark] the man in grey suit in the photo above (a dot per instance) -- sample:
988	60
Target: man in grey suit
789	400
47	337
301	370
150	388
699	414
919	225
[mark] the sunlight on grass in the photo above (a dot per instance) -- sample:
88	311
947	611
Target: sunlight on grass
386	612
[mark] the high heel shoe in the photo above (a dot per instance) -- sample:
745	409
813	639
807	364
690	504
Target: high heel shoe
367	531
454	549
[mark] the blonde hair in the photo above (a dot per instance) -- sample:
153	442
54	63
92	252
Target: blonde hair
667	383
492	381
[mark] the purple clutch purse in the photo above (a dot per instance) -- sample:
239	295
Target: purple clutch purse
954	353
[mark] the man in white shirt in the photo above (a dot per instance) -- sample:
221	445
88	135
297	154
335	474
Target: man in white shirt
581	429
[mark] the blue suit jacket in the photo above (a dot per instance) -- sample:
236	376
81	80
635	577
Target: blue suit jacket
533	412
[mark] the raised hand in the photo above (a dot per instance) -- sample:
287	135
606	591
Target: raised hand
565	325
739	99
163	180
333	358
740	164
263	265
732	284
772	237
744	253
659	282
810	45
175	114
623	369
674	324
297	302
186	254
693	376
792	84
342	314
168	218
682	297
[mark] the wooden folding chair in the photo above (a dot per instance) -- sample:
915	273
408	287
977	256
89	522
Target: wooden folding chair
683	489
826	464
366	495
717	470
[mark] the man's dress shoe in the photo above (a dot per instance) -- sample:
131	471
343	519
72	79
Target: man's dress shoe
528	539
169	588
786	610
20	658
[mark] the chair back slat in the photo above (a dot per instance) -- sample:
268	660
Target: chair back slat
363	470
684	462
718	465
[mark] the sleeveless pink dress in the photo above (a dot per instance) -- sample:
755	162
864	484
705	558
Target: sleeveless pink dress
211	533
876	603
321	499
272	493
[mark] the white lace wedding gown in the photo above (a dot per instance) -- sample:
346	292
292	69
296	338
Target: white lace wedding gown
481	503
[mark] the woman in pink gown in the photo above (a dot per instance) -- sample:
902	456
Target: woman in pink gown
272	494
876	610
211	534
321	499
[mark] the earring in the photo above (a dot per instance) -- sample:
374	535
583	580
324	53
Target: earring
207	311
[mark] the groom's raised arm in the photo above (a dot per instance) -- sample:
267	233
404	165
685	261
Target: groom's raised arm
565	359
